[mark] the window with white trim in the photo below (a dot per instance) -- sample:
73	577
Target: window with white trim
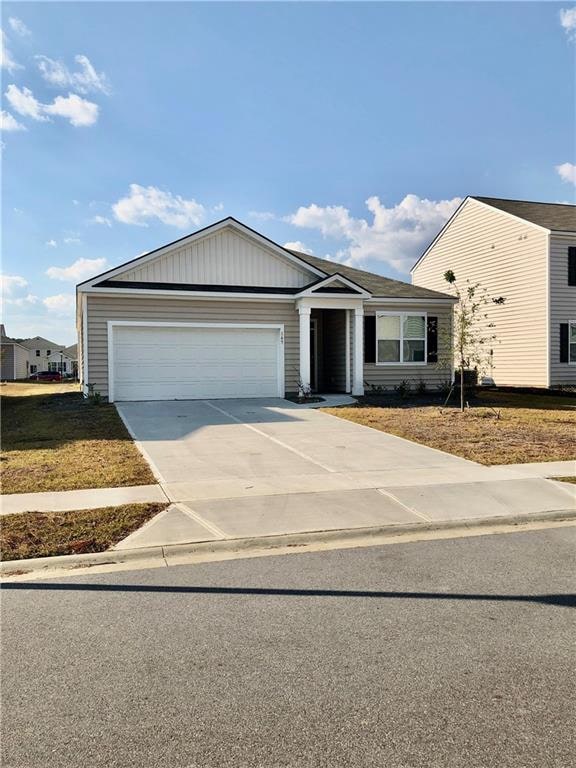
572	343
400	338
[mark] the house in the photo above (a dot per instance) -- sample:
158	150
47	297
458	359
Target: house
225	312
525	252
23	357
13	358
40	352
64	360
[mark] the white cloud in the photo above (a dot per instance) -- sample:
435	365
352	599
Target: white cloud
51	243
101	220
74	108
23	301
262	215
85	80
79	111
72	240
297	245
19	27
22	100
9	123
6	60
61	304
145	203
80	270
396	236
568	22
218	208
567	172
11	283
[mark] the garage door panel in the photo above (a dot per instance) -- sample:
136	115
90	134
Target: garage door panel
173	363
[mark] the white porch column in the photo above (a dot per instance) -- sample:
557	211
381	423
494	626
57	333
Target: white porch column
304	348
358	353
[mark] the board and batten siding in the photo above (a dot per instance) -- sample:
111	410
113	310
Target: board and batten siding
431	374
562	307
225	258
509	258
101	309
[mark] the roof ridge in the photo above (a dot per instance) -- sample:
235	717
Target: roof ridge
516	200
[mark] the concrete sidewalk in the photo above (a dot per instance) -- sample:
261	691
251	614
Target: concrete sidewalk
68	501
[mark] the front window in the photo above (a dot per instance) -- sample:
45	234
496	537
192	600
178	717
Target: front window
37	353
572	343
400	338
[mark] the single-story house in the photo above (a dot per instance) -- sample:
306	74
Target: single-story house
526	252
226	312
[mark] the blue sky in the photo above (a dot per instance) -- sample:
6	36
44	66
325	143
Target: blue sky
351	129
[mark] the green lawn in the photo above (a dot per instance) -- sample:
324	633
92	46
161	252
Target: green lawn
55	440
46	534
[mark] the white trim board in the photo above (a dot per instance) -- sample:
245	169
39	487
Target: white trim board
111	324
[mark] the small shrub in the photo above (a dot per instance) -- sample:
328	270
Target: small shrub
375	389
94	397
421	387
444	387
403	389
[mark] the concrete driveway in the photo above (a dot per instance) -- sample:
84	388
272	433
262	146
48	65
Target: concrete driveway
245	468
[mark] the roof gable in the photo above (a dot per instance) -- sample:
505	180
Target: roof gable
39	342
226	253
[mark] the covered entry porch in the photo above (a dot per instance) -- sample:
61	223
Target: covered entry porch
331	345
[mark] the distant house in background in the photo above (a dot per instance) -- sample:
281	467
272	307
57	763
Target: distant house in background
23	357
13	358
526	252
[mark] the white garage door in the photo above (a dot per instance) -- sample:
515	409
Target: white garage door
187	363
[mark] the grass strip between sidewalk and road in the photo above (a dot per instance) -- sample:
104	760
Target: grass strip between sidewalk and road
55	440
46	534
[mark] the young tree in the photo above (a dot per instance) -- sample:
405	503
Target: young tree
473	334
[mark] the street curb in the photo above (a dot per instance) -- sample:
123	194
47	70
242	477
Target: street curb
161	555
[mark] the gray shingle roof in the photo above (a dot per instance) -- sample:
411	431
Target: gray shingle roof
555	216
377	285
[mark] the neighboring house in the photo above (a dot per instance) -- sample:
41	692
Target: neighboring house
23	357
225	312
525	252
13	358
40	352
63	360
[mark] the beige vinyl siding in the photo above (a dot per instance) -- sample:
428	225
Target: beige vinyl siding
562	307
14	362
156	309
430	373
225	258
509	257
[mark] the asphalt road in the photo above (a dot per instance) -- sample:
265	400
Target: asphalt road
450	653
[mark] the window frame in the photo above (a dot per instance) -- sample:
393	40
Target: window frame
402	316
571	324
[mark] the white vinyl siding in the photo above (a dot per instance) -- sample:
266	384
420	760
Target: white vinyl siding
509	258
101	309
432	374
562	307
224	258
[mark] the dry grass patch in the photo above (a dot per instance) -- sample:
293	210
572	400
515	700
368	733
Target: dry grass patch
46	534
499	429
55	440
565	479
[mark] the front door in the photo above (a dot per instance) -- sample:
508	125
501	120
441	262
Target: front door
314	355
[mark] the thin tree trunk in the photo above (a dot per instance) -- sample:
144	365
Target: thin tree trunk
462	385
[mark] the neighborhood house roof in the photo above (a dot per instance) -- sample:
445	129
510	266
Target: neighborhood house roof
377	285
558	217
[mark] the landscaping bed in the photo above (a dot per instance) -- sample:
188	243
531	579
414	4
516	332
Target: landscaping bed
46	534
498	428
55	440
